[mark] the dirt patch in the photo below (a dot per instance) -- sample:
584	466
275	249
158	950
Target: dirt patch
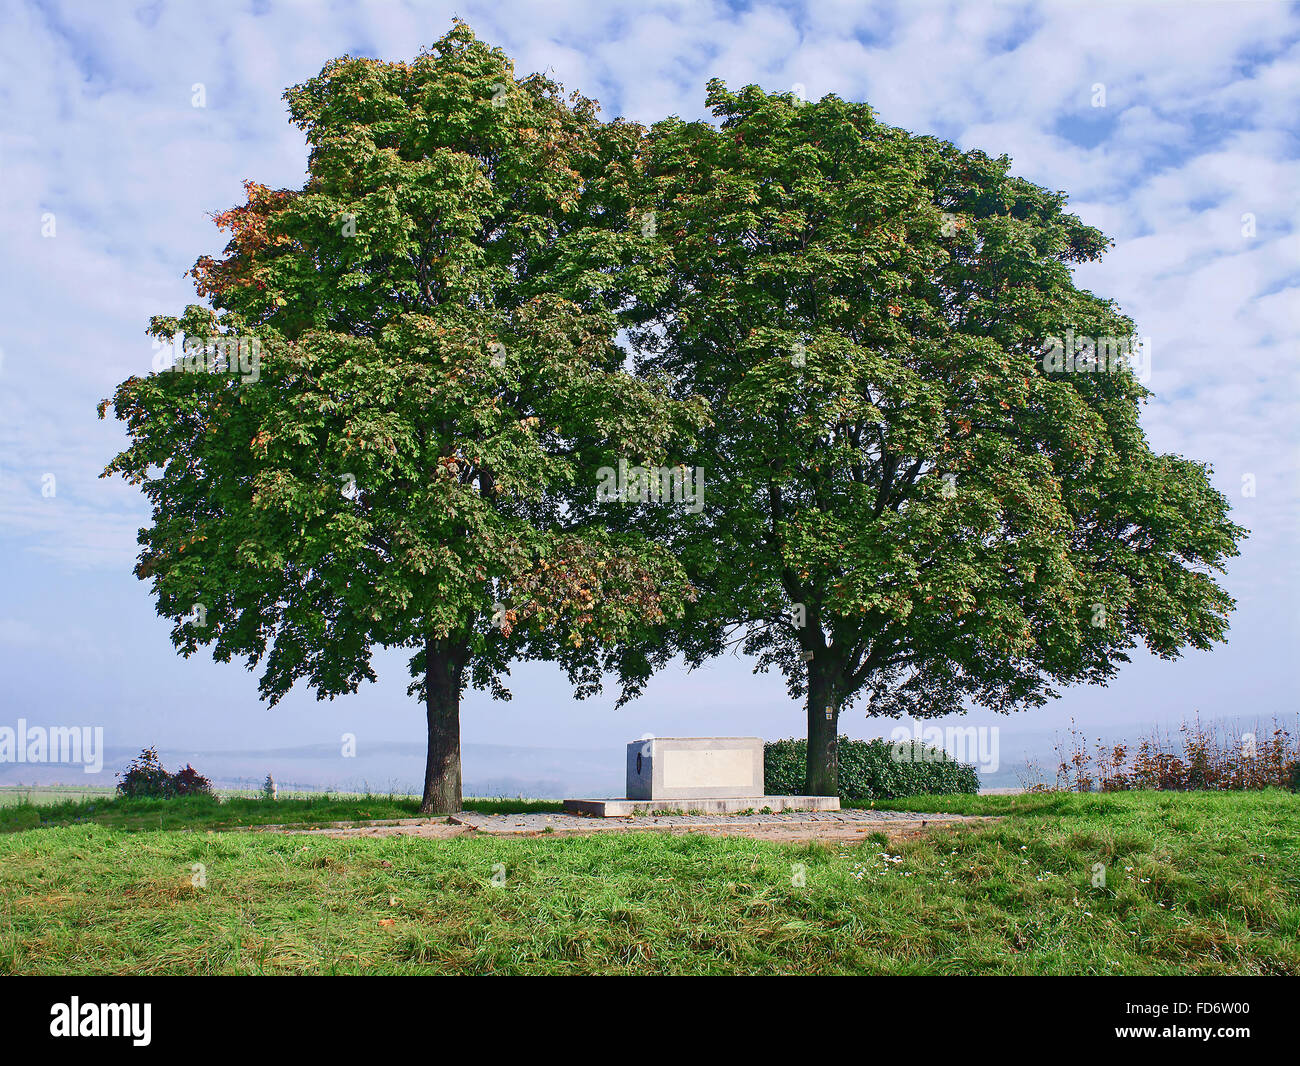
789	828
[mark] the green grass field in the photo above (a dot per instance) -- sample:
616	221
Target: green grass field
233	812
1201	883
12	795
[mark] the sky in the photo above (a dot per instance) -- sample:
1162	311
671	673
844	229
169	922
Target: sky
1172	127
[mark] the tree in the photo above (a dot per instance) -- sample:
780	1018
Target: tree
379	432
917	494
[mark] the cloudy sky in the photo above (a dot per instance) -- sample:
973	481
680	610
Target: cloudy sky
108	173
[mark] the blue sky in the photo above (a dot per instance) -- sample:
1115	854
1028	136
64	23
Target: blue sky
99	132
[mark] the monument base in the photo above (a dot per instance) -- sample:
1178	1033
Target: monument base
628	808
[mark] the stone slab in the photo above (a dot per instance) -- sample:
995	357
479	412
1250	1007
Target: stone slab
674	768
629	808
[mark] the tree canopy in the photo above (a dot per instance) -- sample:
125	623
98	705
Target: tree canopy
433	315
909	500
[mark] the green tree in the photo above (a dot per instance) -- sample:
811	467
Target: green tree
382	430
908	500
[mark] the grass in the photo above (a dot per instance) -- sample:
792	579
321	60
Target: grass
233	812
1202	883
12	795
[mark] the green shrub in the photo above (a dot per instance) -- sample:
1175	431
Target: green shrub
1293	776
147	778
870	769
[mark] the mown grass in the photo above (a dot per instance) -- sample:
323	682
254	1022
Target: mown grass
201	812
1195	883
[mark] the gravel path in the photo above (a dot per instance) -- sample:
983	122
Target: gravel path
792	826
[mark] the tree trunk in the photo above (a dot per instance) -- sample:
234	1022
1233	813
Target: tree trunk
823	774
442	668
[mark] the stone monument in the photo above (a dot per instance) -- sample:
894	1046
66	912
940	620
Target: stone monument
683	775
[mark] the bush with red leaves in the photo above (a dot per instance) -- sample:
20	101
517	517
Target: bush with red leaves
146	778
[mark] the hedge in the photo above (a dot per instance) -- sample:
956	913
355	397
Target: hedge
870	769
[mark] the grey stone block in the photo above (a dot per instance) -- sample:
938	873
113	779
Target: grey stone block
696	767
